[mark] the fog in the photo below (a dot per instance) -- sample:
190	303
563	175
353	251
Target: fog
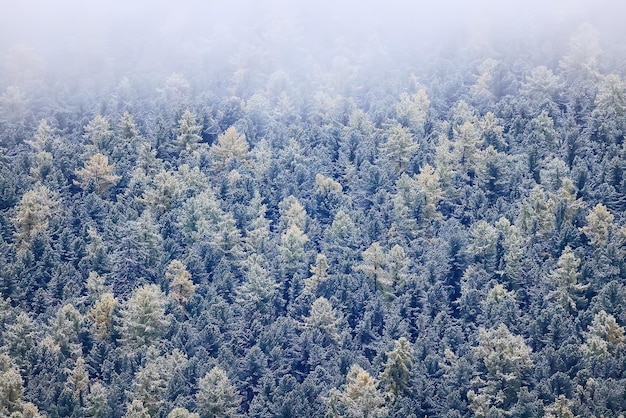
74	39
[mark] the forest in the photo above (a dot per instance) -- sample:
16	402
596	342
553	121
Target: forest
306	221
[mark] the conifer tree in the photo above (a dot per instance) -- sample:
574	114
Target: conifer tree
360	397
599	225
399	148
397	371
99	172
323	317
230	146
98	132
188	132
319	274
373	266
565	279
181	286
34	212
217	397
143	316
101	316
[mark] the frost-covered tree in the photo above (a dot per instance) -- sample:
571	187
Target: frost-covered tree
181	287
99	173
143	316
397	372
217	397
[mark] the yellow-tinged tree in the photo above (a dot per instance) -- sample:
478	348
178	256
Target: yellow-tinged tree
373	266
360	397
599	225
412	110
397	371
34	211
230	146
99	172
181	286
101	316
319	274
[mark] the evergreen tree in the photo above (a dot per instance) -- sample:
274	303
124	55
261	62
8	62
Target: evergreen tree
217	397
397	371
143	316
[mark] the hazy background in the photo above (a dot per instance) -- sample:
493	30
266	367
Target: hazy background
70	39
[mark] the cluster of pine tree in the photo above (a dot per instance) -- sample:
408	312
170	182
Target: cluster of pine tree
337	242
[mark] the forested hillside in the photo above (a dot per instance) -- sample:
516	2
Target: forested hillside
351	228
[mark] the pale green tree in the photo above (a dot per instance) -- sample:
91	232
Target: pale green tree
182	413
397	266
143	316
398	148
561	408
319	274
506	359
323	317
373	266
604	336
231	146
98	132
428	184
78	381
136	409
10	387
181	287
36	208
292	213
259	288
258	233
96	404
43	138
565	281
217	396
65	327
152	381
397	372
188	132
412	110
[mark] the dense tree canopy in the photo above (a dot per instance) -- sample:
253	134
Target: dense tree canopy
358	229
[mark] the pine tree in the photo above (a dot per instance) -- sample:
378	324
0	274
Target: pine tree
506	359
412	110
565	279
231	146
188	132
143	316
78	381
182	413
34	212
599	225
136	410
10	387
323	317
97	171
181	286
319	274
360	397
604	336
101	316
373	266
98	132
217	397
399	148
397	371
